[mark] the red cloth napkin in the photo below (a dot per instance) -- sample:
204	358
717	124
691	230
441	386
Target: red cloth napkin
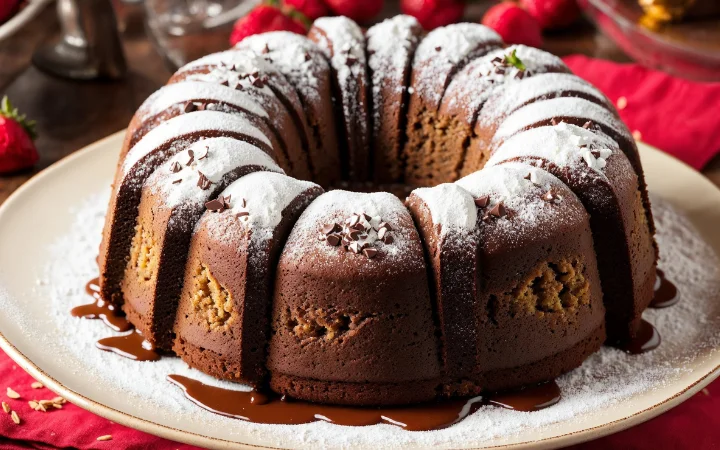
678	116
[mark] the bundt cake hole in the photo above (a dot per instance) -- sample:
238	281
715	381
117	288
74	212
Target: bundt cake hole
211	299
144	257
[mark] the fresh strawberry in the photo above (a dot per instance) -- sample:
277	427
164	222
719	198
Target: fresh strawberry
552	14
311	8
17	150
434	13
264	18
8	8
358	10
514	24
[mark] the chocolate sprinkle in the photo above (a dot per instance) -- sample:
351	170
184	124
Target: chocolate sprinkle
498	210
370	252
225	83
178	181
266	49
550	196
204	182
191	158
329	228
482	202
437	49
216	205
242	214
307	56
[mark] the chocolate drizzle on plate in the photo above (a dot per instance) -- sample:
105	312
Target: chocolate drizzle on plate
131	345
100	309
647	338
666	293
271	408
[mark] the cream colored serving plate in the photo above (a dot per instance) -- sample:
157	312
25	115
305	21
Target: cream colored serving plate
38	213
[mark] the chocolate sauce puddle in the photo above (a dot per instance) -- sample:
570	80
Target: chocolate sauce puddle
666	293
647	339
100	309
131	345
258	407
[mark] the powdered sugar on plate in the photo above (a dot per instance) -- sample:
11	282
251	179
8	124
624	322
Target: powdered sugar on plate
609	377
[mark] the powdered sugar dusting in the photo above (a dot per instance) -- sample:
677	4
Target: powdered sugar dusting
515	95
523	190
609	377
442	50
561	107
450	206
336	207
390	44
186	124
483	76
210	158
263	196
564	145
294	55
178	94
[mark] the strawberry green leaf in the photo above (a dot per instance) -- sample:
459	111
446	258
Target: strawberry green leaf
7	110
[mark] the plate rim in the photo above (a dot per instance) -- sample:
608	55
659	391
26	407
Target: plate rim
189	437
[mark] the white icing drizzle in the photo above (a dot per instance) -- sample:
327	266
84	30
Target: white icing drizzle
451	206
456	43
472	86
522	189
515	95
213	158
563	145
343	43
561	107
180	93
297	57
264	196
338	205
193	122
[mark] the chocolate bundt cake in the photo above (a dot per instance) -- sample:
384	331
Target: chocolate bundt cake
525	243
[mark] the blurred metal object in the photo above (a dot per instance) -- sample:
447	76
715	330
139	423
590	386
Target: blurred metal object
90	45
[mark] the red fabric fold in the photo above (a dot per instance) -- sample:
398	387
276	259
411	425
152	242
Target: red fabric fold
678	116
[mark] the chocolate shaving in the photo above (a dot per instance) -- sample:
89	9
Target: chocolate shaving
217	205
482	202
587	125
382	232
190	107
191	157
550	196
307	56
351	60
266	49
385	225
438	48
225	83
370	252
498	210
205	155
178	181
175	167
333	240
242	214
204	182
329	228
388	239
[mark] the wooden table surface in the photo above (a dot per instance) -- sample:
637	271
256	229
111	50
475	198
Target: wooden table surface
71	115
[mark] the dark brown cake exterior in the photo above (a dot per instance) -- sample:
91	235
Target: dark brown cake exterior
172	201
343	43
352	318
156	147
307	70
601	175
539	310
222	323
391	47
